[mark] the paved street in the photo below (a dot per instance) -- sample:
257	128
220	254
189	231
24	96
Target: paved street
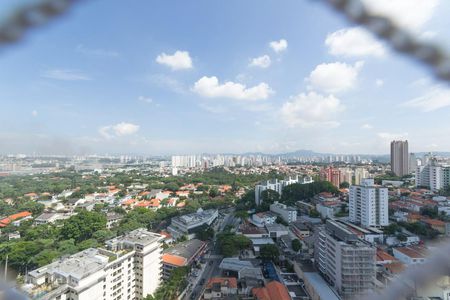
213	259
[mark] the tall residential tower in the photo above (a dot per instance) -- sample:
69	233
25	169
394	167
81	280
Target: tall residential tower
400	158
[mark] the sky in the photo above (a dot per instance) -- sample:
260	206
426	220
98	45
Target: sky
182	77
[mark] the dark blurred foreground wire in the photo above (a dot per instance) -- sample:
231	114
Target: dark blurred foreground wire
27	16
399	39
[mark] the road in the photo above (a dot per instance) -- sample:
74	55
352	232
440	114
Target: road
213	259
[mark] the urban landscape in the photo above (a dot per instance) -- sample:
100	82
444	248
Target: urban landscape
232	150
221	226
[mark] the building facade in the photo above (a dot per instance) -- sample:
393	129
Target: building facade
278	185
368	204
346	262
287	213
129	268
400	158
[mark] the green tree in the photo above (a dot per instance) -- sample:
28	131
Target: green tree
269	251
83	225
344	185
296	245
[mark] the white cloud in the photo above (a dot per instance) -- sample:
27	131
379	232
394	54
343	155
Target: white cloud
334	77
65	74
261	61
279	46
437	97
388	136
409	14
379	82
210	87
167	82
34	113
366	126
96	52
180	60
145	99
118	130
353	42
311	110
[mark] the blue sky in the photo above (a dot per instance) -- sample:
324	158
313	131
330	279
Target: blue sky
166	77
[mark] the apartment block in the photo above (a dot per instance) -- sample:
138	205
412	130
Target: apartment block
128	268
278	185
345	261
287	213
368	204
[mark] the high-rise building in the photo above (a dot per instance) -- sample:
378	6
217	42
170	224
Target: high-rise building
368	204
360	174
412	163
399	158
347	263
433	175
332	175
278	185
129	268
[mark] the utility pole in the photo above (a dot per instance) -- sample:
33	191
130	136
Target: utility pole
6	268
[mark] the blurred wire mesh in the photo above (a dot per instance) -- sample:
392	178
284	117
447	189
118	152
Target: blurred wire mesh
27	16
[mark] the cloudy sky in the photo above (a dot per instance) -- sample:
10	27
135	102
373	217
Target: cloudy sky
166	77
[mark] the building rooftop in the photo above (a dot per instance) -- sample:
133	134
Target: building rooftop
140	236
234	264
274	290
79	265
182	253
276	227
195	217
413	251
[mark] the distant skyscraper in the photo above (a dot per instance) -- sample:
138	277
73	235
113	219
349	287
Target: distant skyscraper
399	158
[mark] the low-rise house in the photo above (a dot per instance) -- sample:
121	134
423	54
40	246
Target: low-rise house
262	218
50	218
276	230
300	230
220	288
113	219
274	290
328	209
287	213
181	255
411	255
14	218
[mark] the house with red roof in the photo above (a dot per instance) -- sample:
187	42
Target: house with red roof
274	290
220	288
15	217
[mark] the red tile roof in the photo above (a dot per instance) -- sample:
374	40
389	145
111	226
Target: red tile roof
4	222
174	260
229	282
272	291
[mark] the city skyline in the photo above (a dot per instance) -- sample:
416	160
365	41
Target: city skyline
213	82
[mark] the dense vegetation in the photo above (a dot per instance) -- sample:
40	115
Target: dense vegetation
170	289
231	244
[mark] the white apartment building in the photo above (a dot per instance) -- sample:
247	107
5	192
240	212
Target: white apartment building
347	263
433	175
368	204
278	185
360	174
129	268
287	213
186	225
